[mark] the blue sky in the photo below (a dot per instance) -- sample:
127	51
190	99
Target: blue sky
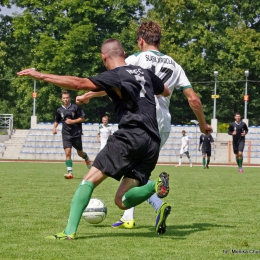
7	11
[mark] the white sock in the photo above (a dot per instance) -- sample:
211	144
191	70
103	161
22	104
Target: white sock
190	160
180	159
154	201
129	214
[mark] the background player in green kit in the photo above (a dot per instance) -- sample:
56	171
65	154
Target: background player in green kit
71	116
238	130
207	143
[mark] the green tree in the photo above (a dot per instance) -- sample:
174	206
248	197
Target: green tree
64	37
227	32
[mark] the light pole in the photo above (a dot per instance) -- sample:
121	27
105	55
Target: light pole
246	96
215	93
34	96
196	123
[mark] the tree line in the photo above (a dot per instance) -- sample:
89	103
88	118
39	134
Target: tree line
64	37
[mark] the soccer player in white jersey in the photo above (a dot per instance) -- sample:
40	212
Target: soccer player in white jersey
172	74
184	148
104	131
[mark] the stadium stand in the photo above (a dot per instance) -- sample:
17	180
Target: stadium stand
39	143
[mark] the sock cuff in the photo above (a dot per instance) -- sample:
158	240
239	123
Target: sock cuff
89	183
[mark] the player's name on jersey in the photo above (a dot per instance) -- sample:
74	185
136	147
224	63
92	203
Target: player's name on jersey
158	59
135	71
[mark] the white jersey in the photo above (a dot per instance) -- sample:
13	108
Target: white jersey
184	141
104	132
170	72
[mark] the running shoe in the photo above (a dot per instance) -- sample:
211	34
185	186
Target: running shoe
160	222
207	167
240	170
63	236
68	176
121	223
88	163
191	165
162	185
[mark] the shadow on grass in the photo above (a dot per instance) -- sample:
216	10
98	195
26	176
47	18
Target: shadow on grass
173	232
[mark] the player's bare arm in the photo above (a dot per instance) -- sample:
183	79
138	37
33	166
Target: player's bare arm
197	109
68	82
166	92
54	131
85	98
74	121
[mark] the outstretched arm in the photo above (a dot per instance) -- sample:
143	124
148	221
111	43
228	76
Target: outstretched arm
68	82
85	98
197	109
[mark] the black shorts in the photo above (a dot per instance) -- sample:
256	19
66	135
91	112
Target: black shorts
69	142
130	153
239	146
207	152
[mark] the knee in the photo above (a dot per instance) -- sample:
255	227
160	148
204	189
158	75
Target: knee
119	203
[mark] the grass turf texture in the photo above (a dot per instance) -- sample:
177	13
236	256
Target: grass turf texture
213	210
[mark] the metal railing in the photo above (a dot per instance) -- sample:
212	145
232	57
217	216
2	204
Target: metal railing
6	122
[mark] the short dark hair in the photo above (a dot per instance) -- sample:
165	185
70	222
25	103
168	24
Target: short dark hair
150	31
237	113
65	92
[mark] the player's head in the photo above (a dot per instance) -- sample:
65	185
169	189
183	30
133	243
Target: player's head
237	117
183	132
149	33
112	50
65	97
105	120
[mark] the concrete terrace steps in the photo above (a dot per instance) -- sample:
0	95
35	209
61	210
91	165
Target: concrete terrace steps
14	144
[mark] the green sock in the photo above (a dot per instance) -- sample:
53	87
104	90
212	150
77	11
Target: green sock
240	162
79	202
204	161
208	161
69	165
137	195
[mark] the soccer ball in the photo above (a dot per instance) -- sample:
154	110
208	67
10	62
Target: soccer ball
95	212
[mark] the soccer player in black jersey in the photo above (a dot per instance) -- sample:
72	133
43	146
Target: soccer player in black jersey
71	116
238	130
207	143
132	151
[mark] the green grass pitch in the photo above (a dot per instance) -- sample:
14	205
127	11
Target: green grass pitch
214	211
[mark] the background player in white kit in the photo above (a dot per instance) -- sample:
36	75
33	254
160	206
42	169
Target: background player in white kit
184	148
172	74
104	131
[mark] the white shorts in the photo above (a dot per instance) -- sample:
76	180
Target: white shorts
185	150
164	136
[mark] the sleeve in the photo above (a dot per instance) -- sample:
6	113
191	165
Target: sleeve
246	128
201	139
182	80
106	80
230	129
80	112
57	117
158	85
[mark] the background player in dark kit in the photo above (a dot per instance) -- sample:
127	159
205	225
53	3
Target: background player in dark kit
238	130
71	116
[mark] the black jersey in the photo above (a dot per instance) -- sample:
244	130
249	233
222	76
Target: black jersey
73	111
206	141
138	87
239	128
